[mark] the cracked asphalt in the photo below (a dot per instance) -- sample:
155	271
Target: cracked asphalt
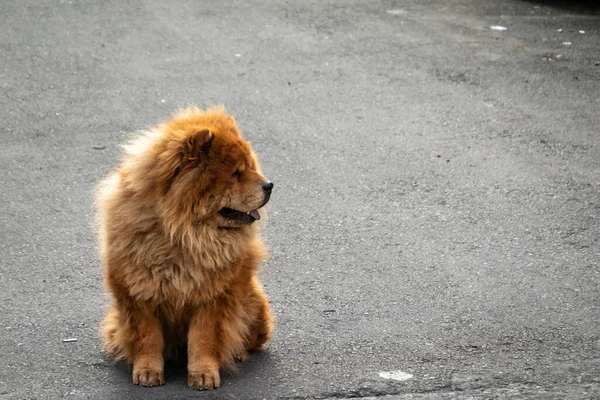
437	199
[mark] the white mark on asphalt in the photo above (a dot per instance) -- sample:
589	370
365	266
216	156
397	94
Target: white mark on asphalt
238	55
567	43
69	340
582	32
396	12
395	375
498	28
559	30
162	101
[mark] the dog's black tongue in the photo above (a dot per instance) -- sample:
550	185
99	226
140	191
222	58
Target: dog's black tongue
255	214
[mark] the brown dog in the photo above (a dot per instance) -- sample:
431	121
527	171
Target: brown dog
181	250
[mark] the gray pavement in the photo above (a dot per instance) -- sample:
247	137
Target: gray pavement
437	202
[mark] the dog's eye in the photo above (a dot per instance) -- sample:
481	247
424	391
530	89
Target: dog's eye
236	174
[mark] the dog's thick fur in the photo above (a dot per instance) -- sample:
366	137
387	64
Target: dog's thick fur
181	274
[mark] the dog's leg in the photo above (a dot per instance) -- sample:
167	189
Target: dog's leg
260	330
148	363
203	365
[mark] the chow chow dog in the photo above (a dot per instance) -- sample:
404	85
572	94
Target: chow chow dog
181	249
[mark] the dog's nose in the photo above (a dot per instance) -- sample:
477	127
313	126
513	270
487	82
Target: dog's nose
267	187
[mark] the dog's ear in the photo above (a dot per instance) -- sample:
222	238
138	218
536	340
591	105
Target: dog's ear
174	159
198	143
192	149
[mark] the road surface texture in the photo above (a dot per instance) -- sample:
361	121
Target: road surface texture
437	189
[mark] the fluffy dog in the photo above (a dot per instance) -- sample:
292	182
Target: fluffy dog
181	250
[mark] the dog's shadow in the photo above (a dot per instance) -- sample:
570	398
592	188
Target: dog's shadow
245	375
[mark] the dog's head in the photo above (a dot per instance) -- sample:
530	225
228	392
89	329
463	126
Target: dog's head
197	168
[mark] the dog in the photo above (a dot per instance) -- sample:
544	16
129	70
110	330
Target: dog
181	248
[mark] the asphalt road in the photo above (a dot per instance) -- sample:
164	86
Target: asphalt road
437	202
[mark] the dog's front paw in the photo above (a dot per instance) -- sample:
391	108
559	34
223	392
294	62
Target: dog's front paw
148	377
207	379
